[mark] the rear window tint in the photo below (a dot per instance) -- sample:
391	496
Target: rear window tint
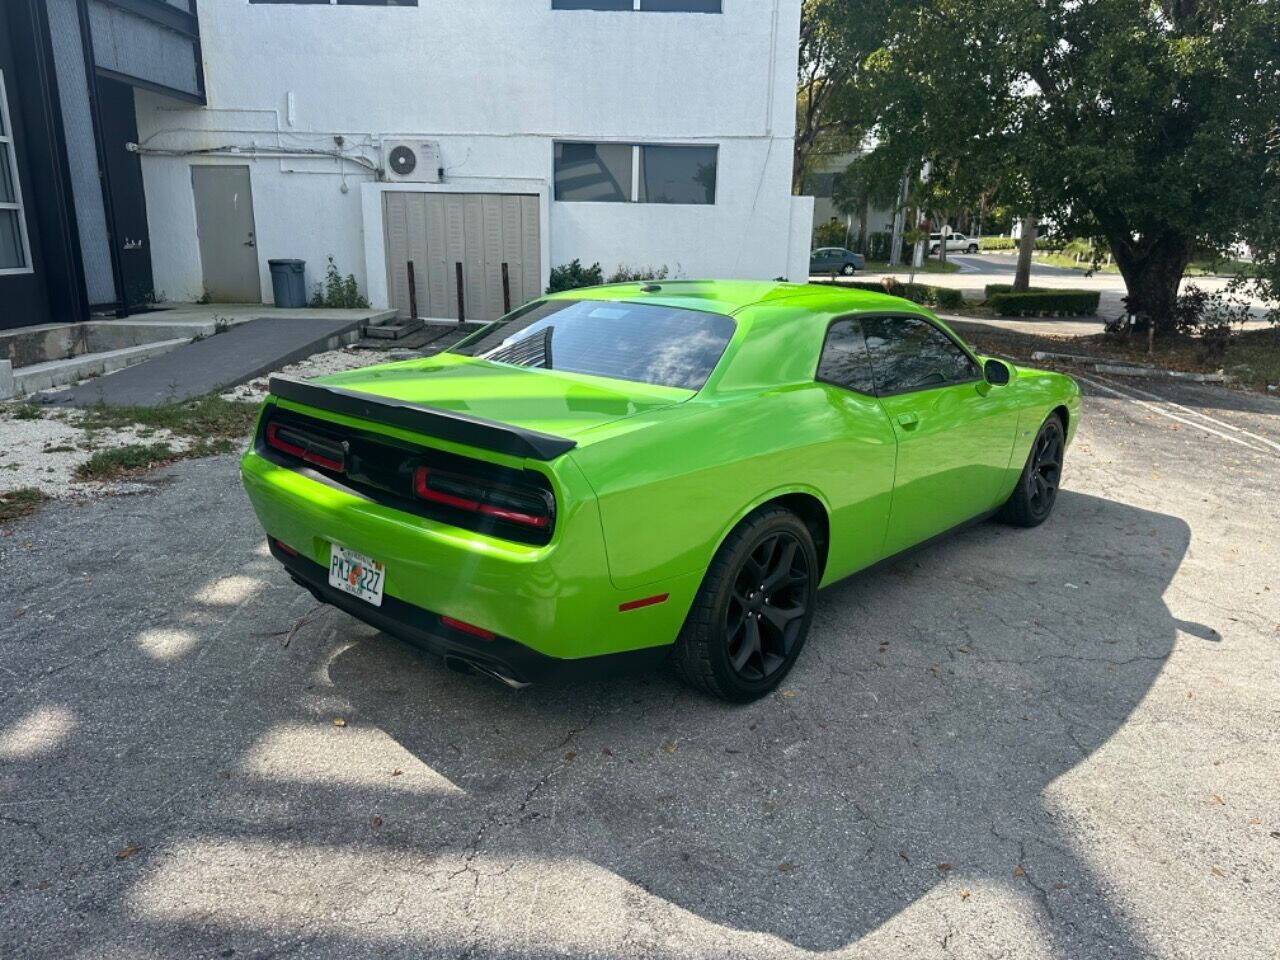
643	342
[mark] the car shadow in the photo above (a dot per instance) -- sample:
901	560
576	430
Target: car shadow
937	700
201	800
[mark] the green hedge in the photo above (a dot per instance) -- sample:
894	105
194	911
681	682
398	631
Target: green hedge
1075	303
944	297
997	243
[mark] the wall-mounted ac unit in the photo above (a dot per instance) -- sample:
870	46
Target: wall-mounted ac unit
414	161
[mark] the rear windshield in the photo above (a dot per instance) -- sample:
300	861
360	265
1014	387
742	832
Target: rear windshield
643	342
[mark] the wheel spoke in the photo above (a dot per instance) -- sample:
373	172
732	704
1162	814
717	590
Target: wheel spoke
781	568
750	644
780	619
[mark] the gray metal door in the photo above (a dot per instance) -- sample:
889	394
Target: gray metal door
488	241
228	243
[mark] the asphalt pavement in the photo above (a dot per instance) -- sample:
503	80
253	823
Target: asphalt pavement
1060	742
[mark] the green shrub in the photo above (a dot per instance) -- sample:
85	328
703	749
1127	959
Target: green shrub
997	243
338	291
944	297
879	245
625	274
1033	303
829	234
572	275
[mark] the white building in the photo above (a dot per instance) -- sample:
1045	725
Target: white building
629	132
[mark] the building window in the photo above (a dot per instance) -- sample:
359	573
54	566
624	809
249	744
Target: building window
15	254
635	173
669	6
348	3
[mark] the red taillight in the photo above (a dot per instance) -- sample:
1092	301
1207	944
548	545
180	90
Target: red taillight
308	449
480	496
286	548
465	627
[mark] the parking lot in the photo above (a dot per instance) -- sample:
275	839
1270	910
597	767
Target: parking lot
1062	742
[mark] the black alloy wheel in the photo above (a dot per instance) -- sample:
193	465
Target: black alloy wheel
1033	498
767	607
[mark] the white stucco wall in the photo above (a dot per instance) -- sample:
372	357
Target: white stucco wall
494	82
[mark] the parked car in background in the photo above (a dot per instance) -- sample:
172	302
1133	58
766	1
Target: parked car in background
836	260
956	243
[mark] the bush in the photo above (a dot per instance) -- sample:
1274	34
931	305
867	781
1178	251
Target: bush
1074	303
625	274
338	291
997	243
879	245
829	234
944	297
573	274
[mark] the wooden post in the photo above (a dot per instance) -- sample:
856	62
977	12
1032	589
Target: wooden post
413	293
462	305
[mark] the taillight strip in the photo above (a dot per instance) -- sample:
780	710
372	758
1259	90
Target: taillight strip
421	487
305	454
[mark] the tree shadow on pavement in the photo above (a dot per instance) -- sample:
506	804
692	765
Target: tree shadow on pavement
937	701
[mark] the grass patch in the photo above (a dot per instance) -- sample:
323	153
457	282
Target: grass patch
208	418
18	503
27	410
116	462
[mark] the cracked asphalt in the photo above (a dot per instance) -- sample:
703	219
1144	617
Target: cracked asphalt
1062	742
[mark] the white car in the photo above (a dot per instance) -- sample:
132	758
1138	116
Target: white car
956	243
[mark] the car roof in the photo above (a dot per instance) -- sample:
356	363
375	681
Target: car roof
731	297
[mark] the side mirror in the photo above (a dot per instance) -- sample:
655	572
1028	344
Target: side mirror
997	372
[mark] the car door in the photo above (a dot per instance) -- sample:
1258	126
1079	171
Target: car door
819	260
861	459
955	431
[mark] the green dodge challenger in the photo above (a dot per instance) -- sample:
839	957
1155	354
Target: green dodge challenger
640	471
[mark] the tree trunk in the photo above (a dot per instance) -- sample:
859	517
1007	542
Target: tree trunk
1152	272
863	214
1026	247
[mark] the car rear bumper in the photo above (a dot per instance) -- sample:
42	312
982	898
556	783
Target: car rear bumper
554	602
500	657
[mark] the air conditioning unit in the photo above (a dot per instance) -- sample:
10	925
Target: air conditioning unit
413	161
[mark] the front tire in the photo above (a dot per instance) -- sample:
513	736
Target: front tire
847	270
1033	498
752	613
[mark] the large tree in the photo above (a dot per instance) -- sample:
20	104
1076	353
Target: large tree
1150	125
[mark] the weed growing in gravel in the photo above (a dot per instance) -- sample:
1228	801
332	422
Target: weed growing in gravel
27	410
204	418
20	502
113	463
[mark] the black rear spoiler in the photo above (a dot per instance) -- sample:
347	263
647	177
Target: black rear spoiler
445	424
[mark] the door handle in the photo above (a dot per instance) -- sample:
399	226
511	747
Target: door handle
250	243
908	421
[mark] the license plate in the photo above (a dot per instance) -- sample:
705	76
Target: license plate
356	574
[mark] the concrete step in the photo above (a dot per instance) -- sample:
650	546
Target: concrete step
56	373
393	331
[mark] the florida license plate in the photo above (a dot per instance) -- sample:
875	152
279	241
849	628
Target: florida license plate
356	574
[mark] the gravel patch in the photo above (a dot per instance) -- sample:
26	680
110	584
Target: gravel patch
43	452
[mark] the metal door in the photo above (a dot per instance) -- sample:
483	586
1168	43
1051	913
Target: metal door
469	255
228	243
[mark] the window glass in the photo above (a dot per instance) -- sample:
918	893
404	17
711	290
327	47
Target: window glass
688	6
599	172
625	341
844	359
13	248
8	189
591	4
908	353
677	174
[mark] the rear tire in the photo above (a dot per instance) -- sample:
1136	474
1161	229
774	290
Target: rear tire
973	248
1033	498
751	615
848	270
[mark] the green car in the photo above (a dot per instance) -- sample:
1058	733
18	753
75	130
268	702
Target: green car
638	471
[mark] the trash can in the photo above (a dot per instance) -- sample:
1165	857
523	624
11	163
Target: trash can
288	283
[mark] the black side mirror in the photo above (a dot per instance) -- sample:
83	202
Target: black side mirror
996	372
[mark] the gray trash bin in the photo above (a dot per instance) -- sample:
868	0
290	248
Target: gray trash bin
288	282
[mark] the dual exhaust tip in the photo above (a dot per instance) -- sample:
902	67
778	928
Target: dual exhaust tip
473	668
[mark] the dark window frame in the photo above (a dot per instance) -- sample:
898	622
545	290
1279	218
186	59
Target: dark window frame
873	314
337	3
636	187
626	6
